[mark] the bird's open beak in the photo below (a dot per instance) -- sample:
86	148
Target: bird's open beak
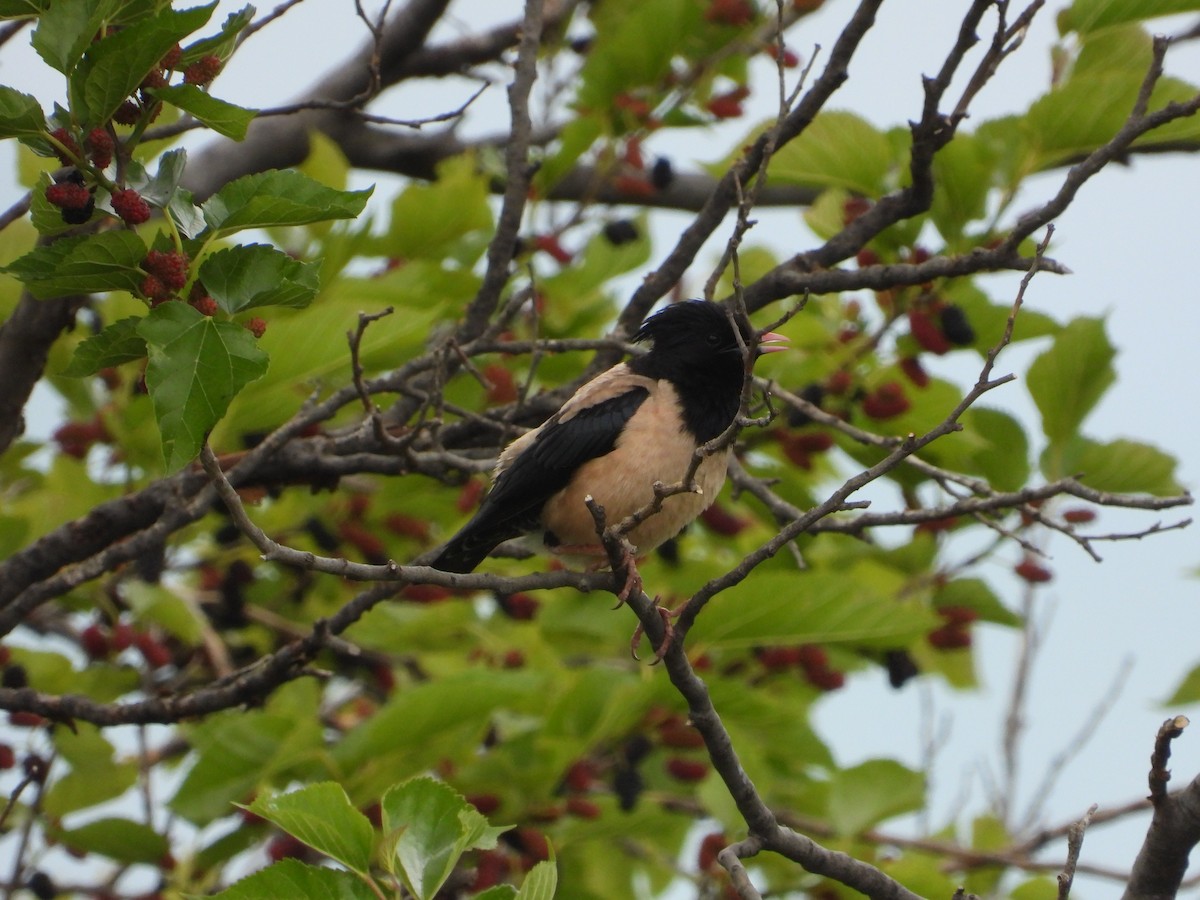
771	342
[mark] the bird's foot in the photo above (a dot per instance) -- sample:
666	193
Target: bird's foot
668	633
633	578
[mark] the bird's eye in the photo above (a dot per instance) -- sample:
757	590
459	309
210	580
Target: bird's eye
713	339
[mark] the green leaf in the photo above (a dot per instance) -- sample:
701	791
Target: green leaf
93	776
1002	454
290	879
66	30
322	816
788	607
222	43
871	792
499	892
118	839
1068	379
197	366
839	149
20	9
239	751
80	265
273	198
427	217
254	275
975	594
623	57
1120	466
219	115
112	68
540	882
1188	690
20	114
161	188
432	825
117	343
963	176
1091	15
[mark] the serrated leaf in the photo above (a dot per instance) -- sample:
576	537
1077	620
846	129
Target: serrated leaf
114	67
322	816
279	197
65	30
255	275
290	879
118	839
1091	15
117	343
80	265
1120	466
20	114
433	826
221	116
869	793
540	882
1067	380
197	365
839	149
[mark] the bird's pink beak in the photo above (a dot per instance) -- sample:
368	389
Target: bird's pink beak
769	341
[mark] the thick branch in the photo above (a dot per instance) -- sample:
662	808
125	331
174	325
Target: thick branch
1174	829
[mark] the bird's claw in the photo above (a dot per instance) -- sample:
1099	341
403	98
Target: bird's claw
668	634
633	578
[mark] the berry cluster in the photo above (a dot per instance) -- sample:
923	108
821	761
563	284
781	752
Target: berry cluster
166	274
810	659
955	634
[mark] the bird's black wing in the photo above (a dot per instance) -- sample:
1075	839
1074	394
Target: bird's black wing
541	470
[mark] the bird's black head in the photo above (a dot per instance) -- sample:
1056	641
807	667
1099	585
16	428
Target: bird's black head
694	347
691	333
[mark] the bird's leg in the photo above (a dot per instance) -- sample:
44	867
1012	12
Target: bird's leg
633	578
668	633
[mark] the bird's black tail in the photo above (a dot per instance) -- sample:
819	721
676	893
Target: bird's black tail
469	548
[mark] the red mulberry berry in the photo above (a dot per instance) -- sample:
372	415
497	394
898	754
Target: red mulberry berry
257	327
100	147
69	153
171	268
886	401
154	290
728	105
202	71
68	195
205	305
171	60
690	770
127	113
156	79
914	371
1032	572
927	332
130	206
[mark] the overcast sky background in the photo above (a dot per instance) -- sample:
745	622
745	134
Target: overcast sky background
1130	239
